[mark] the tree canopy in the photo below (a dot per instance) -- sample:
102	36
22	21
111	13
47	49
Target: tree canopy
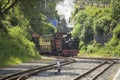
97	27
19	19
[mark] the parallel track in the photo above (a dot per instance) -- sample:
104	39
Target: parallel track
98	58
94	77
25	74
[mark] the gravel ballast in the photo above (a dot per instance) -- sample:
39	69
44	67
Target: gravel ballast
68	72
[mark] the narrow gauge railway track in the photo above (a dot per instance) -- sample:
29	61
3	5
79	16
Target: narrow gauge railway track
25	74
92	75
98	58
2	76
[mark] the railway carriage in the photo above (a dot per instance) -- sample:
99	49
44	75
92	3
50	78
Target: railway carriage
57	44
46	45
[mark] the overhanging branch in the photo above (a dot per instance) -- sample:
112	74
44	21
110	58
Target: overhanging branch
2	8
8	8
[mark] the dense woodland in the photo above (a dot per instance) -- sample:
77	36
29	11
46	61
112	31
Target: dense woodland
19	19
97	25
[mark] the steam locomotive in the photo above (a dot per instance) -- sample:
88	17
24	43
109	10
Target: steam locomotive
56	44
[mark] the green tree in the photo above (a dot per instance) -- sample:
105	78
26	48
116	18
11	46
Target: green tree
6	5
116	9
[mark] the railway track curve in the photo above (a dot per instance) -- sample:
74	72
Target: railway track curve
25	74
89	74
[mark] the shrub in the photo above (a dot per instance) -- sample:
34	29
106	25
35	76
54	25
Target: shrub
14	21
16	48
3	29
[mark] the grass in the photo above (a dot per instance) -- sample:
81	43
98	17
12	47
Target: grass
94	55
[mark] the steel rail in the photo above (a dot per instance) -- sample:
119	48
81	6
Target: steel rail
1	76
97	58
94	78
26	71
34	71
91	70
23	77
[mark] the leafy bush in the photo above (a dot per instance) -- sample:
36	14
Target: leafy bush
14	21
92	21
117	32
3	29
16	48
116	9
102	25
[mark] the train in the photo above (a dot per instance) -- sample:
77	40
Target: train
60	44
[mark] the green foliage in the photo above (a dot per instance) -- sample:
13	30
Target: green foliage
87	32
37	12
5	6
16	48
117	31
48	28
93	20
116	37
3	29
77	30
17	23
116	9
14	21
102	25
83	29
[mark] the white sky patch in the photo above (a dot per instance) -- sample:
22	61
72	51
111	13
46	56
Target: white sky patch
65	8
